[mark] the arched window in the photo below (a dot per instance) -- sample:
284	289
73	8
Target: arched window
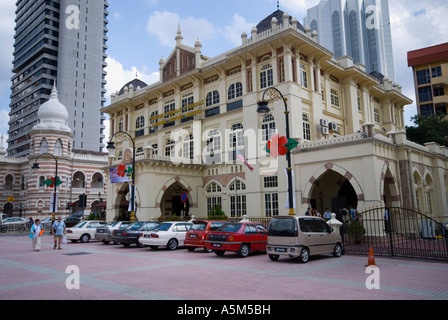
418	191
9	184
140	123
235	91
97	181
58	148
266	76
237	200
429	193
303	75
169	148
43	146
79	180
268	127
236	140
214	199
212	98
214	147
188	147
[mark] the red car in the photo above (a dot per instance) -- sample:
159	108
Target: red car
242	237
195	237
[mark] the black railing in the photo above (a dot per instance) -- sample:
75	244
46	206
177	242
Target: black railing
398	233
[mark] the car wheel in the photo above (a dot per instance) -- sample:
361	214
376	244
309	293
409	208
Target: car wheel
191	249
219	252
337	252
172	244
244	250
274	257
85	238
304	255
208	250
105	242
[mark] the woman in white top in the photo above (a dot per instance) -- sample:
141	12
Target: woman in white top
35	235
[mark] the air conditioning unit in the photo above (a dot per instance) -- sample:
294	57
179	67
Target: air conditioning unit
325	131
324	122
333	126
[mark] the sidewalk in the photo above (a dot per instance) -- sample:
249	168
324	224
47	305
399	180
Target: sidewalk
119	273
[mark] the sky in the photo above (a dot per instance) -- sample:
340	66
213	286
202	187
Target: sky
143	31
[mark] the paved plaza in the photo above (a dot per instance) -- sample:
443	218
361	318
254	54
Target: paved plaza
117	273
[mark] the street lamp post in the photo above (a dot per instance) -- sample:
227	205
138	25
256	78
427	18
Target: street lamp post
111	146
36	167
263	108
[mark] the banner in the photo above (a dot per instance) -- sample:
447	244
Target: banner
121	174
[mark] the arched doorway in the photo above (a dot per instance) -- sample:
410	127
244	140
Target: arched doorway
8	209
334	191
172	204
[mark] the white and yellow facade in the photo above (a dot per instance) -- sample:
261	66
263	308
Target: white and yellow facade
349	124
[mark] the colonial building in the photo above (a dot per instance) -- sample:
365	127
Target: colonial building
24	191
193	128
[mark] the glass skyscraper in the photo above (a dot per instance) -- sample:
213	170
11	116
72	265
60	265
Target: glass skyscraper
62	41
356	28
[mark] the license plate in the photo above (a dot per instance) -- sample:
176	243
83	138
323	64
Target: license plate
216	245
280	249
147	236
193	235
118	234
100	231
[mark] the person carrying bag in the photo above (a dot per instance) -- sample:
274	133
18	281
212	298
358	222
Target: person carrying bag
36	235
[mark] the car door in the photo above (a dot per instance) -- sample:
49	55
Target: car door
180	229
311	237
326	242
252	236
263	233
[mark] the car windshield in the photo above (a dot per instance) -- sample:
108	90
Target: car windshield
198	226
124	226
283	227
165	226
230	227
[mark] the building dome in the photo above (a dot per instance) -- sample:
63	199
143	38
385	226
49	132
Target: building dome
265	24
53	115
136	83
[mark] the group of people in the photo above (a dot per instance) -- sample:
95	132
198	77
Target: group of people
37	231
314	213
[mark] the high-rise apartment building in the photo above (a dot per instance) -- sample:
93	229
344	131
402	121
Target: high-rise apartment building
430	68
62	40
356	28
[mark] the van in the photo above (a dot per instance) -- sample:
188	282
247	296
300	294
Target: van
301	237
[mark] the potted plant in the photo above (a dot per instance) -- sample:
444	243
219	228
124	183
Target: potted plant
356	231
216	213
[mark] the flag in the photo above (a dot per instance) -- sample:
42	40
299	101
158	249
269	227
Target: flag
241	158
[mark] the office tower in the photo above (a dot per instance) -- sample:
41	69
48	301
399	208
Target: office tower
356	28
430	68
63	41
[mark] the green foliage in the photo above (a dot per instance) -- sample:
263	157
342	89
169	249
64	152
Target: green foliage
429	129
356	230
217	213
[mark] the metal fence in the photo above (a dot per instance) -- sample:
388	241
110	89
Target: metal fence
396	232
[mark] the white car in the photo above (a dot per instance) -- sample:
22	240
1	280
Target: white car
84	231
167	234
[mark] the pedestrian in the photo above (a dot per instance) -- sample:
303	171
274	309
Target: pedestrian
308	212
59	231
36	235
327	214
386	220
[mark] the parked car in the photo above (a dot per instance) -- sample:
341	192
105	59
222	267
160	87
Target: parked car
47	224
14	224
168	234
195	237
301	237
84	231
104	233
131	234
73	220
242	238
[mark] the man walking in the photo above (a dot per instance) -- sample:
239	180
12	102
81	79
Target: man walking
59	232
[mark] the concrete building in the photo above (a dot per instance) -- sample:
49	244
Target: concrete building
430	67
23	191
192	125
356	28
63	40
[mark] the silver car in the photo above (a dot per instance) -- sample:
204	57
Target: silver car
104	233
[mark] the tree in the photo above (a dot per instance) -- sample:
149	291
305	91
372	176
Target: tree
429	129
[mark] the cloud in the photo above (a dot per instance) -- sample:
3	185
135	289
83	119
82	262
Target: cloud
118	76
164	25
233	31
